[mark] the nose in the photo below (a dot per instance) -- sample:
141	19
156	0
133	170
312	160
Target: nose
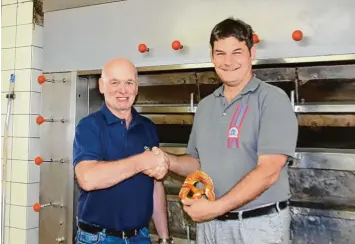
228	59
121	88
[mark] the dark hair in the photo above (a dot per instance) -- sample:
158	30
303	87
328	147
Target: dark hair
232	28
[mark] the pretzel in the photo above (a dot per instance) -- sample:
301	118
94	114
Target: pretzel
189	185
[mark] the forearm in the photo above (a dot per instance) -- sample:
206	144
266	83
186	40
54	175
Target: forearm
99	175
183	165
160	213
247	189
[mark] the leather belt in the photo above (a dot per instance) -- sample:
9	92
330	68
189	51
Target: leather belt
110	232
277	207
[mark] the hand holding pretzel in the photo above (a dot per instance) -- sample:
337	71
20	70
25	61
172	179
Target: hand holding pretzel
198	208
189	185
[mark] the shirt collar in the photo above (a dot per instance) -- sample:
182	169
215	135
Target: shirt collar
251	86
111	118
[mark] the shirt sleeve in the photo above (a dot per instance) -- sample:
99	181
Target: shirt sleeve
278	128
191	145
87	142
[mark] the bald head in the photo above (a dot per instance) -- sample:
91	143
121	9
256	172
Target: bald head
119	84
119	67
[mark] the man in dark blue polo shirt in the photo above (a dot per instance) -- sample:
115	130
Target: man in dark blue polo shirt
113	168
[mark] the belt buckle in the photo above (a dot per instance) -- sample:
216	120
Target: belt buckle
124	234
240	215
278	207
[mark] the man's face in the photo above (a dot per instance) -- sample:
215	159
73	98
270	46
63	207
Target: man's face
120	88
232	60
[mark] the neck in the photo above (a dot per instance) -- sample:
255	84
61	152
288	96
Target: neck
122	114
231	92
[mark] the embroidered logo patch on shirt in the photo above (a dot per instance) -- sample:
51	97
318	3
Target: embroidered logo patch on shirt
236	125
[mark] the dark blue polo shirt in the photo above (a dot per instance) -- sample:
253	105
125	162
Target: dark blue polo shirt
104	137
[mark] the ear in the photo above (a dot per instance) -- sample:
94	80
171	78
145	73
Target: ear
211	54
101	86
253	52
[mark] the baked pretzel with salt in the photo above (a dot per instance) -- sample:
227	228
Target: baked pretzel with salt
189	185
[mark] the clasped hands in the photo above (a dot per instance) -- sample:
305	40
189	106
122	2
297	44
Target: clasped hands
157	163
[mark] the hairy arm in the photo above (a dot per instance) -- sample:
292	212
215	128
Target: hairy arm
91	171
95	175
160	213
183	164
254	183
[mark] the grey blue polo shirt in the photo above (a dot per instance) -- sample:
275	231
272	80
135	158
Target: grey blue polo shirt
228	138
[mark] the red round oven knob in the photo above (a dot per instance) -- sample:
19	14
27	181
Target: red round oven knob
255	38
297	35
36	207
40	119
41	79
176	45
143	48
38	160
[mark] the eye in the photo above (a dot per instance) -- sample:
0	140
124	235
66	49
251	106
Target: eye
129	83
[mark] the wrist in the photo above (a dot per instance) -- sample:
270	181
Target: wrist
220	207
138	162
171	159
165	240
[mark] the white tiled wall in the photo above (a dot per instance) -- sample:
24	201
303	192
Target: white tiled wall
21	50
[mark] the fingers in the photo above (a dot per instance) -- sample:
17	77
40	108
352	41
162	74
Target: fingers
158	172
187	202
149	172
156	150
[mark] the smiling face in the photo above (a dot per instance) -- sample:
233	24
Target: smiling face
232	60
119	85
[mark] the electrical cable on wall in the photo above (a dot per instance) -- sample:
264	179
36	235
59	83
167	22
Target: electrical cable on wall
10	97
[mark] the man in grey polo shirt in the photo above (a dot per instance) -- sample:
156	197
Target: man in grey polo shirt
242	136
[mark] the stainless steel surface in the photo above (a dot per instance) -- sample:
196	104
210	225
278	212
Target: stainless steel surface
166	109
82	110
314	226
298	60
326	72
325	159
325	108
299	108
56	178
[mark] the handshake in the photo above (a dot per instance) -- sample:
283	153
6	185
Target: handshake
156	163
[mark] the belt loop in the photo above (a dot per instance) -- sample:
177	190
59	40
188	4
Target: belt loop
240	215
278	207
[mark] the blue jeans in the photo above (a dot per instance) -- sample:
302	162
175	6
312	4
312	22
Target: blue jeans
83	237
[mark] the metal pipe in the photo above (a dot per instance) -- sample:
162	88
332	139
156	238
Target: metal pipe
10	96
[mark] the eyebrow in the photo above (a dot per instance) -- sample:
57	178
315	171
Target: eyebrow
237	49
114	79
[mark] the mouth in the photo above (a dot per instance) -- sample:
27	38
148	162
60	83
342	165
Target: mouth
122	98
229	70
